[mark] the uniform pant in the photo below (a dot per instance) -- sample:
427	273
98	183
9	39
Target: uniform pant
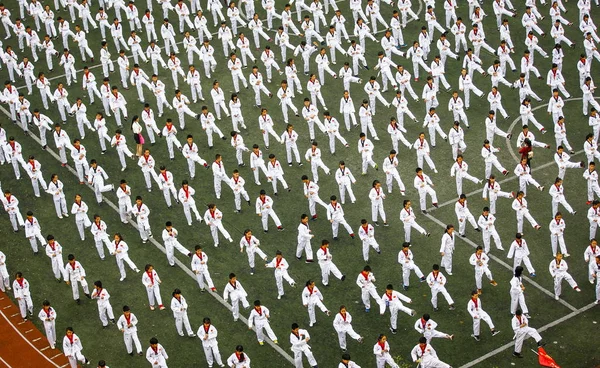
527	215
121	264
562	201
309	356
77	356
394	314
367	159
235	306
377	207
558	239
217	184
214	231
204	276
483	316
335	226
212	354
304	246
343	188
389	180
558	282
238	198
265	219
50	328
105	312
523	333
527	179
327	268
25	304
408	226
370	242
342	336
34	239
130	337
153	294
434	295
187	210
36	180
497	165
386	358
181	320
592	188
311	310
279	276
312	202
314	166
487	234
517	298
191	161
423	192
479	271
462	223
366	126
406	268
16	219
421	156
100	245
57	267
446	262
517	262
251	254
459	181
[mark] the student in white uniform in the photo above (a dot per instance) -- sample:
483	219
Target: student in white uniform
239	191
459	170
520	251
200	269
382	353
99	231
56	189
592	182
437	281
238	359
74	274
156	354
423	184
463	215
335	215
299	339
365	281
120	249
480	260
406	260
521	209
34	170
207	333
236	292
303	238
23	295
326	264
54	252
104	307
423	152
366	233
390	165
486	223
10	204
475	309
517	289
523	172
408	218
589	256
152	283
259	317
179	307
141	211
425	355
427	327
345	179
213	218
290	138
311	297
48	317
558	270
313	155
520	326
219	175
393	300
557	229
33	232
252	245
281	266
311	192
72	348
127	324
342	323
377	196
562	159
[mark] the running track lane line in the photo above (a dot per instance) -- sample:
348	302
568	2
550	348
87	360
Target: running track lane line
157	245
22	336
541	329
505	265
214	33
5	363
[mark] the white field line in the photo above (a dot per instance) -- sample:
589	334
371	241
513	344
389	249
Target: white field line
541	329
5	363
159	246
